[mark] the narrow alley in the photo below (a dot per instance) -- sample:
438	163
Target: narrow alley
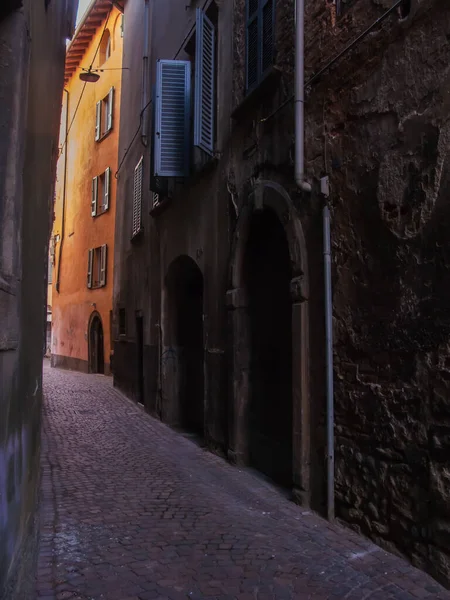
131	509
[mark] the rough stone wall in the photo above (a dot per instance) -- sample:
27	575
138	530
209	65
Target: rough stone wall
378	123
32	48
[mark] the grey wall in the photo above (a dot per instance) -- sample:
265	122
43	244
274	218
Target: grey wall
32	50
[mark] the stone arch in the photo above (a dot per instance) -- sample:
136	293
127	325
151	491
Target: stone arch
270	195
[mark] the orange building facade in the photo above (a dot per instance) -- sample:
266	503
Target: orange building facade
85	199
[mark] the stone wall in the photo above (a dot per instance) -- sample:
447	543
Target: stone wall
378	123
32	48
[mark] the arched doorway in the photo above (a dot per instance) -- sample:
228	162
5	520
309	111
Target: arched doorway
267	281
268	320
183	353
96	345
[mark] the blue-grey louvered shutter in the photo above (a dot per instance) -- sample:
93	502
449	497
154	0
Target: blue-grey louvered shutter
204	114
172	118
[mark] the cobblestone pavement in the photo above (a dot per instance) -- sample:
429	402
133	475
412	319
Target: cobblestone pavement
132	510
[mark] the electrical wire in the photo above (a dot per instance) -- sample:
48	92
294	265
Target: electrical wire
84	87
133	138
330	63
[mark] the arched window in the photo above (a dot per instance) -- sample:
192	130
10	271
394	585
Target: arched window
105	47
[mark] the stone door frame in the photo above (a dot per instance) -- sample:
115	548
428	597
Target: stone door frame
269	194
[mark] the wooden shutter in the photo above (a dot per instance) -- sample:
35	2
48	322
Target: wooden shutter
90	267
98	120
103	257
109	116
94	196
204	114
172	118
137	198
106	188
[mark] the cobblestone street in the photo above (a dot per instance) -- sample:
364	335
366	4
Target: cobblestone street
133	510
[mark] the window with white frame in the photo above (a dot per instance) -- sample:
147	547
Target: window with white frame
104	115
96	275
101	185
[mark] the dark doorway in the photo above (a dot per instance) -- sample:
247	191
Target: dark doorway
140	356
270	414
185	289
96	350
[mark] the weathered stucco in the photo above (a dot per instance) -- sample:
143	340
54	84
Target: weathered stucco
32	47
74	303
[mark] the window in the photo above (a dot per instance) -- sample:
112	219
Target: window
259	40
50	270
96	275
137	198
122	322
172	140
100	193
105	47
104	115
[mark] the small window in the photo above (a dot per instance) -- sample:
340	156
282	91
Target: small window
259	40
100	193
50	270
104	115
122	322
96	276
105	47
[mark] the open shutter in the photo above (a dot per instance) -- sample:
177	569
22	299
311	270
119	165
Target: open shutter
109	116
172	118
94	196
204	83
106	189
103	253
137	198
98	119
90	268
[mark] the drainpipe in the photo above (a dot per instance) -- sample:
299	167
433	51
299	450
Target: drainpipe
300	97
63	211
329	361
145	74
